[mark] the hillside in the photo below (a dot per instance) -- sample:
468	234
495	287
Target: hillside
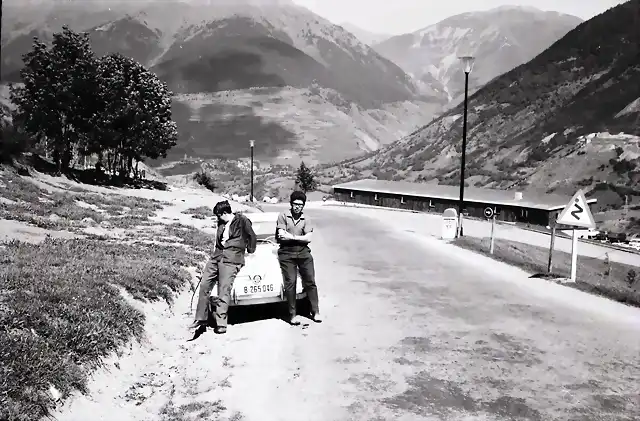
288	125
544	124
500	39
226	46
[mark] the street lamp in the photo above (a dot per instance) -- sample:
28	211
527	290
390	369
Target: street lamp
467	62
252	143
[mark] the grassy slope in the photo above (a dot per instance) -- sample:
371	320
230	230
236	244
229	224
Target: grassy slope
614	280
61	309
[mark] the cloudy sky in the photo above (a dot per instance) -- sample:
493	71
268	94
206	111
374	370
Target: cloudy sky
402	16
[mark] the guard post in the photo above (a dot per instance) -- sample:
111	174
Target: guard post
449	224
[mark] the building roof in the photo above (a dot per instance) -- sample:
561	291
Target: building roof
529	199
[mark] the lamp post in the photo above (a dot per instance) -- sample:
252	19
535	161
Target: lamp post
252	143
467	62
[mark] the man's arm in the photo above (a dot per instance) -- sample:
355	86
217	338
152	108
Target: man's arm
250	235
281	224
308	233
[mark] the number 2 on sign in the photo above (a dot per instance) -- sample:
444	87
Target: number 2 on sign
578	209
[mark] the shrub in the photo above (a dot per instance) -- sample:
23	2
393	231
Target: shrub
13	143
205	180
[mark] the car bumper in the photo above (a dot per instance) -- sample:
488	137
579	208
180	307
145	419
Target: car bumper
249	301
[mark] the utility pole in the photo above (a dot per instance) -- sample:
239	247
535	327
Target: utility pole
251	145
468	65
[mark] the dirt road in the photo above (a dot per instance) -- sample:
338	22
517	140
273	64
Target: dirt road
431	224
414	329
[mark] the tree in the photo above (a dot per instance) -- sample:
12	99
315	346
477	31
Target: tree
136	119
57	100
305	179
112	106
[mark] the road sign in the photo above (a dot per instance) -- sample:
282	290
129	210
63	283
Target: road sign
577	213
488	212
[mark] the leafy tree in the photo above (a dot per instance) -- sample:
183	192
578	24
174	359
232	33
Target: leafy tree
135	122
57	100
305	179
75	103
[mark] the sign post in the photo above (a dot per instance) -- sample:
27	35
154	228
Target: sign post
490	214
551	245
577	215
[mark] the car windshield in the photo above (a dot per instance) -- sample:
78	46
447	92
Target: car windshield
264	229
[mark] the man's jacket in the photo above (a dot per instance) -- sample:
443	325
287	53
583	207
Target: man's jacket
241	239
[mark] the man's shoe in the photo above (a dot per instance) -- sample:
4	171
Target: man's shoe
294	321
196	324
316	317
221	330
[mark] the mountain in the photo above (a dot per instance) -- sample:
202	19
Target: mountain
569	118
366	37
500	39
239	46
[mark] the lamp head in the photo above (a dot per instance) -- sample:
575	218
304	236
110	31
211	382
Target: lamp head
252	143
467	63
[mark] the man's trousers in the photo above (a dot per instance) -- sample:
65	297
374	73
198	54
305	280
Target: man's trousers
223	274
290	263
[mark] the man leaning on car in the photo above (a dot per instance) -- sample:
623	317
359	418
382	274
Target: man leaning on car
233	236
293	233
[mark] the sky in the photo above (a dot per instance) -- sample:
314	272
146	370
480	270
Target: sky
395	17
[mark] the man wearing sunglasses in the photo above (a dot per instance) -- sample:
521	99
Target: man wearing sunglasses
293	233
234	237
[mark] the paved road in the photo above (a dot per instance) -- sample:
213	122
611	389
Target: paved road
414	329
430	224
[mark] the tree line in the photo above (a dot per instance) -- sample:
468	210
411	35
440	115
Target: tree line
74	104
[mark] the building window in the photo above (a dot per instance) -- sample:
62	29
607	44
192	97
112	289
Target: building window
402	199
375	196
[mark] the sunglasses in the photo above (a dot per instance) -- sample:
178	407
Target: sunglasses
297	204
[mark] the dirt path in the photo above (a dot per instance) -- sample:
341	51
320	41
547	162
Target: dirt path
411	332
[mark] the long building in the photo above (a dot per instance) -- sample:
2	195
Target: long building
512	206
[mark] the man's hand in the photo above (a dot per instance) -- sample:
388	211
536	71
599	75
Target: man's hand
285	235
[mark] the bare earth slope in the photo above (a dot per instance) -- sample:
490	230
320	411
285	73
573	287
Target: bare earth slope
288	125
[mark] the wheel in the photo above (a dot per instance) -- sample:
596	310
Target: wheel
303	307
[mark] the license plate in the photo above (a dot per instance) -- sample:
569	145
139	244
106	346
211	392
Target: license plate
257	289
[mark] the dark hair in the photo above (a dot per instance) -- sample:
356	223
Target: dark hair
298	195
222	208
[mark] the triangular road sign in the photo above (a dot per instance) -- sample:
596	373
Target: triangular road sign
577	213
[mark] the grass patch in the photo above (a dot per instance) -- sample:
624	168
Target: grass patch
61	312
201	212
59	210
613	280
192	237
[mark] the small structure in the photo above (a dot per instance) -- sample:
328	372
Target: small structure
509	205
449	224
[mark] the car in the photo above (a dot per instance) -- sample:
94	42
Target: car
260	281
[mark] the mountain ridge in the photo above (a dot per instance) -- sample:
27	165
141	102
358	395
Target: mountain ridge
499	38
342	87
